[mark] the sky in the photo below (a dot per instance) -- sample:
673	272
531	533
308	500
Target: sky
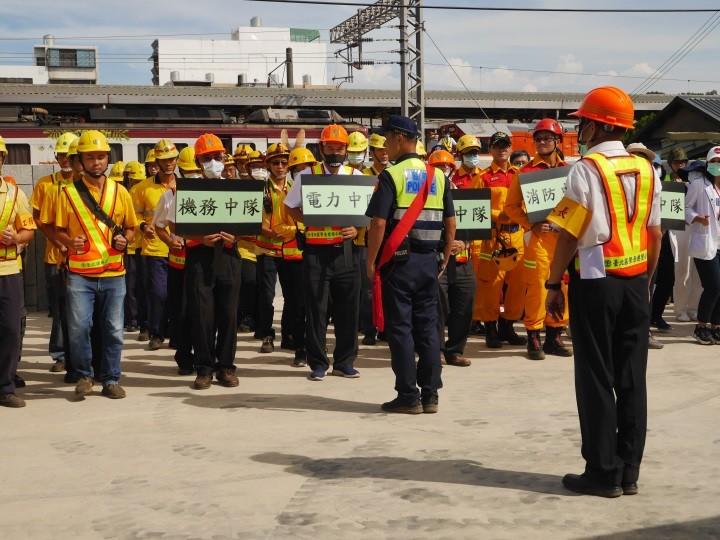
488	51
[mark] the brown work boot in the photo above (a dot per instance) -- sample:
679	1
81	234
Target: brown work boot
534	347
268	345
12	401
58	366
202	382
113	391
227	377
84	386
457	360
554	343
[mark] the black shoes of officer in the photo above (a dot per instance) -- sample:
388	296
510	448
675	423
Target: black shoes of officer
492	338
580	483
554	343
507	333
287	342
19	381
370	338
300	359
534	346
402	407
429	404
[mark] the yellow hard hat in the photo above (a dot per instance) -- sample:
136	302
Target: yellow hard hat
229	160
3	148
276	150
255	158
63	142
420	149
116	173
165	149
135	170
466	142
358	142
150	158
92	141
242	151
72	147
300	156
377	141
186	159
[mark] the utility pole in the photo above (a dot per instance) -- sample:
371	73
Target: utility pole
351	32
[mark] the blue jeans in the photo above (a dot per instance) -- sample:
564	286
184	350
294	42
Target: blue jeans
107	295
156	287
56	346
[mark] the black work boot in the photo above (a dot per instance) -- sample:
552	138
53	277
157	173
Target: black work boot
492	338
534	348
507	333
554	343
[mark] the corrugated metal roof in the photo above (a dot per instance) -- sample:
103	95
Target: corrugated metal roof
708	105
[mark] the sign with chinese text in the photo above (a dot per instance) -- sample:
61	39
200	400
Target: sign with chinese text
542	190
672	206
210	206
336	200
472	213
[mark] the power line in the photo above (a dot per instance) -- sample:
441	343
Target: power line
485	8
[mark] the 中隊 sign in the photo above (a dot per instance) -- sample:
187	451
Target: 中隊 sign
672	206
542	190
205	206
472	213
336	199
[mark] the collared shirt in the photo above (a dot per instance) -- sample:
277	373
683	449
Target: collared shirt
47	187
294	196
20	219
145	199
123	215
498	181
464	178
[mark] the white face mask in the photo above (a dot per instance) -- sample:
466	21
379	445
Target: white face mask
66	169
193	175
260	174
471	161
355	159
213	168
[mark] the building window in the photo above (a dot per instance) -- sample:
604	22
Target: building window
71	58
116	153
18	154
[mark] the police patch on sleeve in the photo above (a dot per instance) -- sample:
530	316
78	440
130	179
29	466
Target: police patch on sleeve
414	180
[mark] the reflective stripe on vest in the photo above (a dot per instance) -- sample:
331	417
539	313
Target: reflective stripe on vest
290	251
8	253
409	177
100	256
461	257
177	259
273	244
324	235
625	253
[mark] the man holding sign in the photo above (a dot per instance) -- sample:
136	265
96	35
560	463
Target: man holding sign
331	262
413	206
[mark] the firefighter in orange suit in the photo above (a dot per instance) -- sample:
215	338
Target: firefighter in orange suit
506	236
96	242
331	270
540	249
610	224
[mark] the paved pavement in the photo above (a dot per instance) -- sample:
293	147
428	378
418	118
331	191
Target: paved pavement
284	457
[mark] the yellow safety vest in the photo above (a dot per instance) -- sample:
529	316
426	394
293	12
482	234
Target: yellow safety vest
8	253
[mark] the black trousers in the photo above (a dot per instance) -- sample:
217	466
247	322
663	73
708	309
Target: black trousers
409	296
664	278
611	347
11	307
247	306
295	302
456	297
212	287
269	270
328	275
180	320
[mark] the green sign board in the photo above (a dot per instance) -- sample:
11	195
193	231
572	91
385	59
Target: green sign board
336	199
472	213
672	206
209	206
542	190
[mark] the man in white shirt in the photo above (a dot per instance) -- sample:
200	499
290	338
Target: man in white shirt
617	253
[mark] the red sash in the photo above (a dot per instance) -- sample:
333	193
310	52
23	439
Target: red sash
396	237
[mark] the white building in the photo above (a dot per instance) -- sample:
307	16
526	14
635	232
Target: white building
252	56
56	64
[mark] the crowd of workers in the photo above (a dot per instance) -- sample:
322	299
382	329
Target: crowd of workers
115	264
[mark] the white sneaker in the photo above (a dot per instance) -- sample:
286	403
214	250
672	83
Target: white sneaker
692	315
683	317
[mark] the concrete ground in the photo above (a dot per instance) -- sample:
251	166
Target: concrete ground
283	457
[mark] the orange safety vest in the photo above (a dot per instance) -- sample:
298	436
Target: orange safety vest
98	255
324	236
626	252
8	253
290	251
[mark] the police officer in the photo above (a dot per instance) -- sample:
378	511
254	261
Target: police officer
610	215
410	282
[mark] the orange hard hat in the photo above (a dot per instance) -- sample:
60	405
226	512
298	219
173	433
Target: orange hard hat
441	157
609	105
335	133
208	144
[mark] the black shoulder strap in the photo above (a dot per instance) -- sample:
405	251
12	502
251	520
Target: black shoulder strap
93	205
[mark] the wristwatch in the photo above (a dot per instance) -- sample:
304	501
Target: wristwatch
552	286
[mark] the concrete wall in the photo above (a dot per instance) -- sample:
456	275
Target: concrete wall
34	269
